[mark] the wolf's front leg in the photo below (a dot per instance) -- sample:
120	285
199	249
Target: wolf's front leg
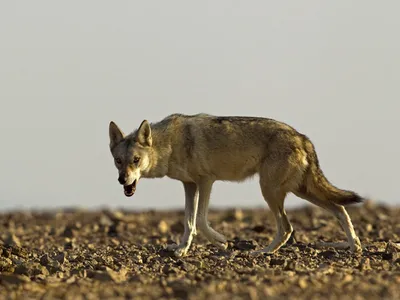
213	236
191	203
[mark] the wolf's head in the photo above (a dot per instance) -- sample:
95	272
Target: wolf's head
131	154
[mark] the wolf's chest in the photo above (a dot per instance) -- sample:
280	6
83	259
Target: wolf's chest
179	173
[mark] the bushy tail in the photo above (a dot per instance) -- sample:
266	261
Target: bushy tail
316	185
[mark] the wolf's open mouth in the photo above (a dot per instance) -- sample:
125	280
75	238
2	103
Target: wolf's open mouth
129	190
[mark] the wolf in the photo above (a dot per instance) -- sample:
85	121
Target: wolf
201	149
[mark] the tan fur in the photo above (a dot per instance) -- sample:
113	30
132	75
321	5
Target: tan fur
201	149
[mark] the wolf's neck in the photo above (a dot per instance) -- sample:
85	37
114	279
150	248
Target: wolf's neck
160	153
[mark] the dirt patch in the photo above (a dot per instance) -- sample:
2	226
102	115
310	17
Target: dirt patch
77	254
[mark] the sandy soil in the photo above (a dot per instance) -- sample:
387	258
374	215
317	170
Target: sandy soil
75	254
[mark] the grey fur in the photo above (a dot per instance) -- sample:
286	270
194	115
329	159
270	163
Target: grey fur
201	149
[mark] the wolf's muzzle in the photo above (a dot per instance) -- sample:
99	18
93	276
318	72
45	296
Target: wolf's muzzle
129	190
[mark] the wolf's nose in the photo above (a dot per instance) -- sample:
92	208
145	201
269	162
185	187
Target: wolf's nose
121	179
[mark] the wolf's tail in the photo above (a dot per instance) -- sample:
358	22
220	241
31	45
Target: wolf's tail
316	185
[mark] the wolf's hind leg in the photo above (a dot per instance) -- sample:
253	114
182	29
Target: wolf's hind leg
353	242
277	178
191	204
204	198
275	200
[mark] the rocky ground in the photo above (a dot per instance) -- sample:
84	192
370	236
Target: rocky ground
75	254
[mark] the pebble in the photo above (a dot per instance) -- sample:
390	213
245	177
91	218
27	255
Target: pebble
245	245
12	240
14	278
44	260
69	232
365	264
61	258
94	265
109	275
163	227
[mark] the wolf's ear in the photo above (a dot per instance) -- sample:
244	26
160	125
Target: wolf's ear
144	134
116	135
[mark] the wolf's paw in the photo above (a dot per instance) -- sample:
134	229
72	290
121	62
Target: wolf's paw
356	248
179	250
172	247
217	239
220	245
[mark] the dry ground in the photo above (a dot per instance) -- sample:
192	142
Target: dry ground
76	254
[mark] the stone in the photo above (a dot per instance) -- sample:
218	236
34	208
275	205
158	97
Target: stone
163	227
12	240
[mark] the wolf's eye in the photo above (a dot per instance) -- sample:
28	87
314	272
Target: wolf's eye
136	159
118	160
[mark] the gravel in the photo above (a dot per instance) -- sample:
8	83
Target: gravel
78	254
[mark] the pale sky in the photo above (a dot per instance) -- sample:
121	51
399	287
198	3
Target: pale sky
331	69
